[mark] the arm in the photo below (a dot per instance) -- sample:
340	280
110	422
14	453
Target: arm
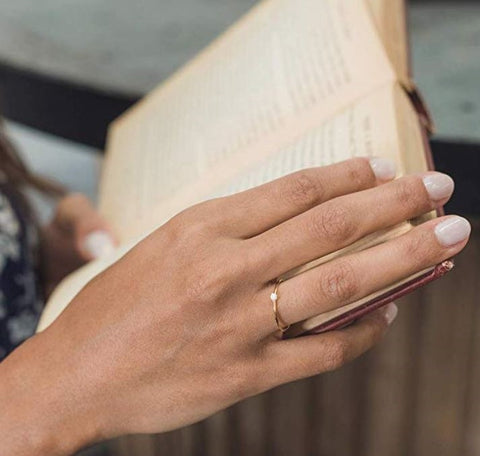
39	414
182	326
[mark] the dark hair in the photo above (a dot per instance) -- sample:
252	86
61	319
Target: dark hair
16	177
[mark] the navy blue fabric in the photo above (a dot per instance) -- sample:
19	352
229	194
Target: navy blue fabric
20	297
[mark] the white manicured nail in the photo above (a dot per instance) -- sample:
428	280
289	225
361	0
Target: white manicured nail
384	168
439	186
391	312
452	231
99	244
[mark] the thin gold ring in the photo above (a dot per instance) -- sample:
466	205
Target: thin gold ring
281	325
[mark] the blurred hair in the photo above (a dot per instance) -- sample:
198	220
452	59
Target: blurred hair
16	178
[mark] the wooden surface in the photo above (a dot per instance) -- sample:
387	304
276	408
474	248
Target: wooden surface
417	394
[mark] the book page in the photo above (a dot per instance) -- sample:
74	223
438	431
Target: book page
414	150
366	128
390	17
414	156
284	67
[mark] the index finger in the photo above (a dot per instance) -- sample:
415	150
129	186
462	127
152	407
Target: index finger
257	210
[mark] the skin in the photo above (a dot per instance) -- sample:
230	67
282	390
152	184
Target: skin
63	239
182	326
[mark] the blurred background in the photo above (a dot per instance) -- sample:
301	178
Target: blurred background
68	67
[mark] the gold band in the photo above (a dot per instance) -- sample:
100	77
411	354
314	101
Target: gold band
281	325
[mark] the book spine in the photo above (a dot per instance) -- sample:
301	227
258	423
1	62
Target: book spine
420	106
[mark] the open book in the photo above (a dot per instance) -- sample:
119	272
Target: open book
293	84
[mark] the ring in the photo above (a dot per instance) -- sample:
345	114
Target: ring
274	298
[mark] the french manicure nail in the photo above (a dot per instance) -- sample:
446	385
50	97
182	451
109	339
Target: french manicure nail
391	312
452	231
439	186
99	244
383	168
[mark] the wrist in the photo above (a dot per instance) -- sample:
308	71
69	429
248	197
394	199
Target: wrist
44	410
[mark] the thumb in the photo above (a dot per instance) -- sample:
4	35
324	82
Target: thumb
92	236
97	244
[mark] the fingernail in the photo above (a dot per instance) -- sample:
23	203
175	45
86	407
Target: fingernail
383	168
439	186
99	244
452	231
391	312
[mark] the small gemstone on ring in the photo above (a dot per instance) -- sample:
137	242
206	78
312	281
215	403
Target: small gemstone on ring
274	296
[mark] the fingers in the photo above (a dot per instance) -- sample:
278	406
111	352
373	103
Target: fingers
342	221
92	236
348	279
256	210
294	359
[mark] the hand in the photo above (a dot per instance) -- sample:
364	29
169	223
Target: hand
182	326
76	235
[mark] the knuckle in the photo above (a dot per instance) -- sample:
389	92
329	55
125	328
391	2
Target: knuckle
192	223
332	222
407	193
374	328
304	190
208	211
377	329
203	286
336	354
179	221
248	265
198	220
360	172
211	279
174	230
201	225
418	249
339	283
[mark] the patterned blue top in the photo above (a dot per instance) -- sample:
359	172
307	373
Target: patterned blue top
20	297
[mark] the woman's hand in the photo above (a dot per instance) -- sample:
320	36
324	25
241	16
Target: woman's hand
182	326
76	235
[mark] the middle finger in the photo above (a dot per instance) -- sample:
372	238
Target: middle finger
344	220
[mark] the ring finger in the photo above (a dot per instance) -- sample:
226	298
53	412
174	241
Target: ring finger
358	275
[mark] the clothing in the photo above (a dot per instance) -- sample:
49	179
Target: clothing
20	297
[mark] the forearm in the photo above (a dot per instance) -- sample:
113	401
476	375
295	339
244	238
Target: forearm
41	411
